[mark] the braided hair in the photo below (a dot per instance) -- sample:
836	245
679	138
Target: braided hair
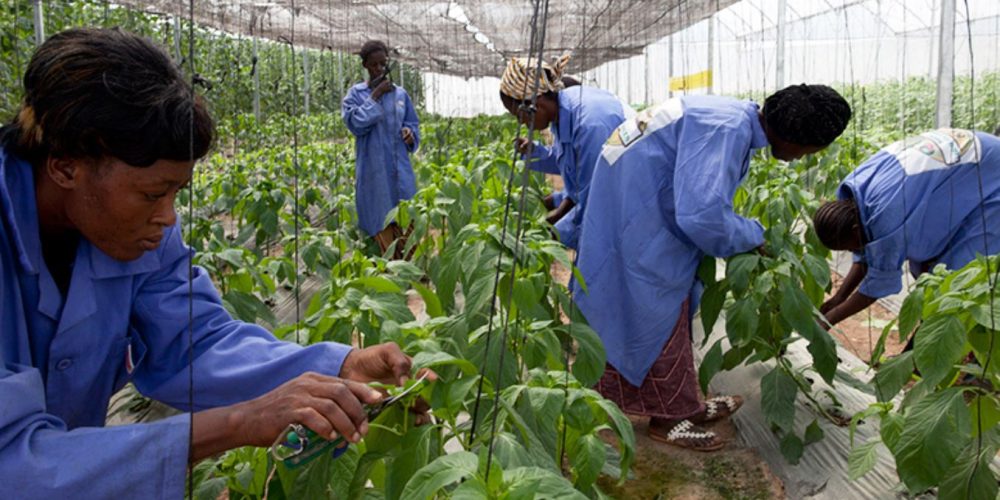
807	115
835	223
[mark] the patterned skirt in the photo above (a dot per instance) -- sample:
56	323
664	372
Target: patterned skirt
670	389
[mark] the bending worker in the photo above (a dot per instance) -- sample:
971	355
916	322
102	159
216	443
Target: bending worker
385	125
661	198
581	119
96	290
917	200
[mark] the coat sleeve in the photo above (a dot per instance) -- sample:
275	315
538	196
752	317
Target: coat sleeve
411	121
40	458
587	145
543	159
233	361
360	113
710	159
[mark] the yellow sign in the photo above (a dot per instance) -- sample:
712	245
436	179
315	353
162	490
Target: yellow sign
692	81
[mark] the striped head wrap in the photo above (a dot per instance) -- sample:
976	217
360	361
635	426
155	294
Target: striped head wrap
518	80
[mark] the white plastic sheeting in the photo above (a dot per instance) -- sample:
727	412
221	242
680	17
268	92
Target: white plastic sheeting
827	41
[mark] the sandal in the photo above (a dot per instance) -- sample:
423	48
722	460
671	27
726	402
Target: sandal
718	408
687	435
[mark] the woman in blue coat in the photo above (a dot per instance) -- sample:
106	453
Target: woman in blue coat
96	290
382	119
917	200
581	119
661	198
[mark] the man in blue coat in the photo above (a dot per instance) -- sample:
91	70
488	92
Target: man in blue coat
381	117
917	200
96	290
581	119
661	198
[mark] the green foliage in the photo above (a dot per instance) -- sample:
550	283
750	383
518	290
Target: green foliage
944	434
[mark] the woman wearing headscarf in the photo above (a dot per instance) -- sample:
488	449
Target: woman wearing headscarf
581	118
916	200
385	125
662	198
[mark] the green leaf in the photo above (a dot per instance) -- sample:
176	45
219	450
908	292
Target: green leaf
985	412
988	315
798	312
626	434
777	394
738	270
814	433
445	470
588	366
893	375
818	269
431	302
587	457
935	431
741	321
376	284
911	312
938	346
538	483
414	453
970	476
710	365
707	270
429	359
890	429
862	459
792	448
711	305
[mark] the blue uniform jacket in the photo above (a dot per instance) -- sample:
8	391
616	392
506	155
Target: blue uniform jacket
661	198
61	358
919	200
587	117
383	173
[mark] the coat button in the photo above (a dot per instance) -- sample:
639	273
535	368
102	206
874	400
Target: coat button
64	364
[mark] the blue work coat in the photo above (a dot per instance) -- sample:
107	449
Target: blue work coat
383	173
661	198
919	201
587	117
62	357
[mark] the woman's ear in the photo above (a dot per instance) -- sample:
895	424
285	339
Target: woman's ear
62	171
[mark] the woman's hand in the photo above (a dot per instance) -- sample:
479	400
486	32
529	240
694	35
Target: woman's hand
382	89
330	406
407	136
523	145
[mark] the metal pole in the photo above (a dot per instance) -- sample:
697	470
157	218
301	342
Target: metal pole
305	78
177	38
340	76
779	66
39	21
256	82
711	53
670	64
946	65
645	67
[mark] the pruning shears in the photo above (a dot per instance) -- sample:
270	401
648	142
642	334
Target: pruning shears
298	445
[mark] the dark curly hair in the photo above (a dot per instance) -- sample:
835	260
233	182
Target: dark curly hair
96	93
370	47
834	222
807	115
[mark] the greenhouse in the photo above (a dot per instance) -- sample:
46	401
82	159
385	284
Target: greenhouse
298	249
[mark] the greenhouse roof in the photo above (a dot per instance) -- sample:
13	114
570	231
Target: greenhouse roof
466	38
471	38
